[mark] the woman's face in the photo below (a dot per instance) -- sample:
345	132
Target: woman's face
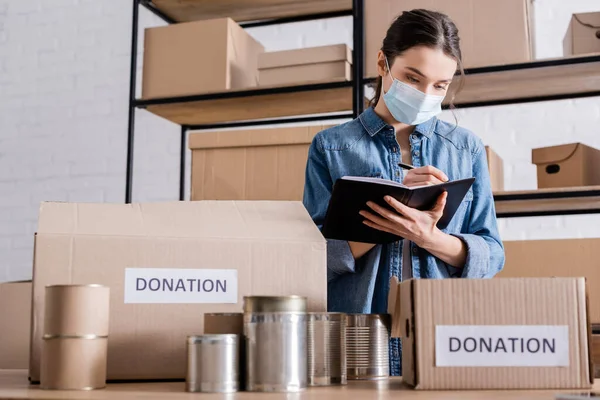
426	69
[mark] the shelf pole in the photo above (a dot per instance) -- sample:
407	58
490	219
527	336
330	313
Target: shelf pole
358	57
132	94
184	130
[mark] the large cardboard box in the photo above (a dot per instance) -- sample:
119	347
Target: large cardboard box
567	165
198	57
306	65
511	333
15	323
169	263
583	34
482	24
557	257
257	164
495	168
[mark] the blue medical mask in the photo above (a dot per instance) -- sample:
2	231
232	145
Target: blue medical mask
409	105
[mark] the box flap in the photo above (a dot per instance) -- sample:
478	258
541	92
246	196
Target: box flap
553	154
262	220
254	137
590	20
308	55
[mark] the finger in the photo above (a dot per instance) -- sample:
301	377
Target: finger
421	180
377	219
385	213
431	170
440	203
402	209
379	227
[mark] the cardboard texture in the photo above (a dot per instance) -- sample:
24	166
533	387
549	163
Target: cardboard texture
265	248
312	64
198	57
495	304
560	258
495	168
15	323
567	165
259	164
583	34
484	39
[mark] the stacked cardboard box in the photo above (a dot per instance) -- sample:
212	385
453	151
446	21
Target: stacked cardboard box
583	34
307	65
15	324
256	164
568	165
485	39
199	57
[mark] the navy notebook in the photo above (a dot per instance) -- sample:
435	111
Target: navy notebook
351	193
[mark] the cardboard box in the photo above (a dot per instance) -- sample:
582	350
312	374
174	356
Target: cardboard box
198	57
169	263
511	333
15	323
313	64
259	164
583	34
495	168
560	258
567	165
482	24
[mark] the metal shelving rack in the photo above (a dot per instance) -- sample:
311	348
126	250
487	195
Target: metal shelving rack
509	84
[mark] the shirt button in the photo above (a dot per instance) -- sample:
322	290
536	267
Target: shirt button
413	137
394	149
415	250
417	153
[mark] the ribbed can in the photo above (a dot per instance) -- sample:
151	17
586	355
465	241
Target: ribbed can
213	363
326	337
367	346
276	347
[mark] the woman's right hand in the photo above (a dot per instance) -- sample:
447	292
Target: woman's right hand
423	176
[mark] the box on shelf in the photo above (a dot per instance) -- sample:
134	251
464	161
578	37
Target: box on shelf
198	57
495	168
481	24
567	165
169	263
502	333
15	323
311	64
583	34
557	257
258	164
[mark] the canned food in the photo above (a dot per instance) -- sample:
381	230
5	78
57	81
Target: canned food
326	349
213	363
367	346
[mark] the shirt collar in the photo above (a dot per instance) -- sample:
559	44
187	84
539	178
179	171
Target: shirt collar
373	124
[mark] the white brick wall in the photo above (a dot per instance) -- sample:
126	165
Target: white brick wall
64	81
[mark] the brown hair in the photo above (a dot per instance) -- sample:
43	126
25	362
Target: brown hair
420	28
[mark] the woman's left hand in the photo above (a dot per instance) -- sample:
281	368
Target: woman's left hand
417	226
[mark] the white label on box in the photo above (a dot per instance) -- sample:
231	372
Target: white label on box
502	346
168	285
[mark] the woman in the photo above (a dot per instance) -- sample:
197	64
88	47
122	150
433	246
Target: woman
416	64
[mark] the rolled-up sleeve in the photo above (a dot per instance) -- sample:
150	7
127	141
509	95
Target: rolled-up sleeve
485	251
317	192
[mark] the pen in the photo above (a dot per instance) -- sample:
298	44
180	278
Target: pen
405	166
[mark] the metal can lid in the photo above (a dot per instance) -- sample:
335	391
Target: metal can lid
213	338
253	304
366	319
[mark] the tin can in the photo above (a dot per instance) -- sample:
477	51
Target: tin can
326	349
213	363
74	347
367	346
276	344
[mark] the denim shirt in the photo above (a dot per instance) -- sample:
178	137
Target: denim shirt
367	146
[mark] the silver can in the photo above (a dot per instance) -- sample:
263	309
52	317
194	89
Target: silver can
367	346
276	347
326	349
213	363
